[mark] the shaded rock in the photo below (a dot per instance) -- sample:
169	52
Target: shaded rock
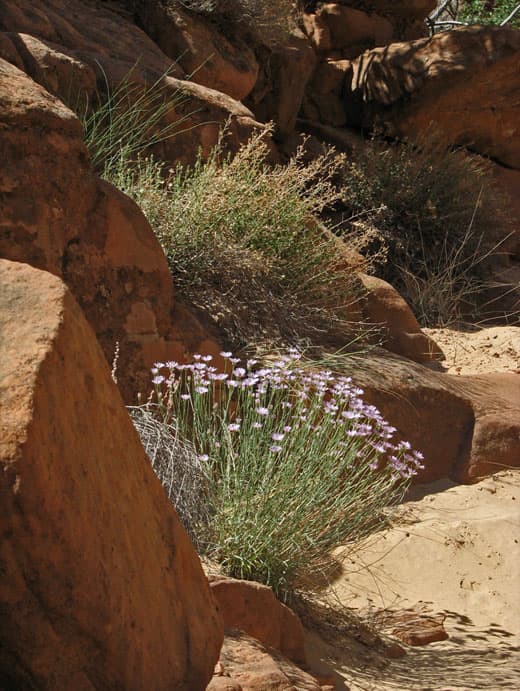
279	91
200	48
80	37
502	298
101	587
254	667
496	435
462	82
408	9
324	94
253	608
348	26
63	75
451	419
401	332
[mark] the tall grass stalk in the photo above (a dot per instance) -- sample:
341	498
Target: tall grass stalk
129	119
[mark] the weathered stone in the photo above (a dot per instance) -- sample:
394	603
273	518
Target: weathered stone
284	74
463	82
350	27
101	587
85	231
204	53
400	330
324	93
415	628
450	419
257	668
253	608
79	38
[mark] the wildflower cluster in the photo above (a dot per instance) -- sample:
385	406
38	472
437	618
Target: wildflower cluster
299	463
317	401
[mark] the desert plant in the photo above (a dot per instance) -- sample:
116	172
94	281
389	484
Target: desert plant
431	207
299	464
242	242
178	466
127	120
490	12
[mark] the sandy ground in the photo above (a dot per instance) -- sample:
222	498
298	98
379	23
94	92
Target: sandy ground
455	552
474	351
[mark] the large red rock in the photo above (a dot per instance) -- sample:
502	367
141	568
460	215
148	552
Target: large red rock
247	665
61	44
466	426
101	587
347	26
85	231
463	82
253	608
399	330
203	52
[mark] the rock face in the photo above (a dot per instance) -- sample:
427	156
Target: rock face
401	332
247	665
72	47
80	228
254	609
101	587
200	48
465	82
279	91
85	231
466	426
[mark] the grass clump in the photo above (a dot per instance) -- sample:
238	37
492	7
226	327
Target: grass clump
425	211
242	242
127	120
298	463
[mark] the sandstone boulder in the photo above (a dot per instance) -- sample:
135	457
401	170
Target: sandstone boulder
466	426
280	88
84	230
324	94
400	330
61	44
254	609
463	82
247	665
347	26
200	48
101	587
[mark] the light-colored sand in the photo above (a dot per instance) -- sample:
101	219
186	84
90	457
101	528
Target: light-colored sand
494	349
455	552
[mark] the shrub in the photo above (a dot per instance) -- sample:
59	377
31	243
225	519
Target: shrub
296	462
243	245
426	210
